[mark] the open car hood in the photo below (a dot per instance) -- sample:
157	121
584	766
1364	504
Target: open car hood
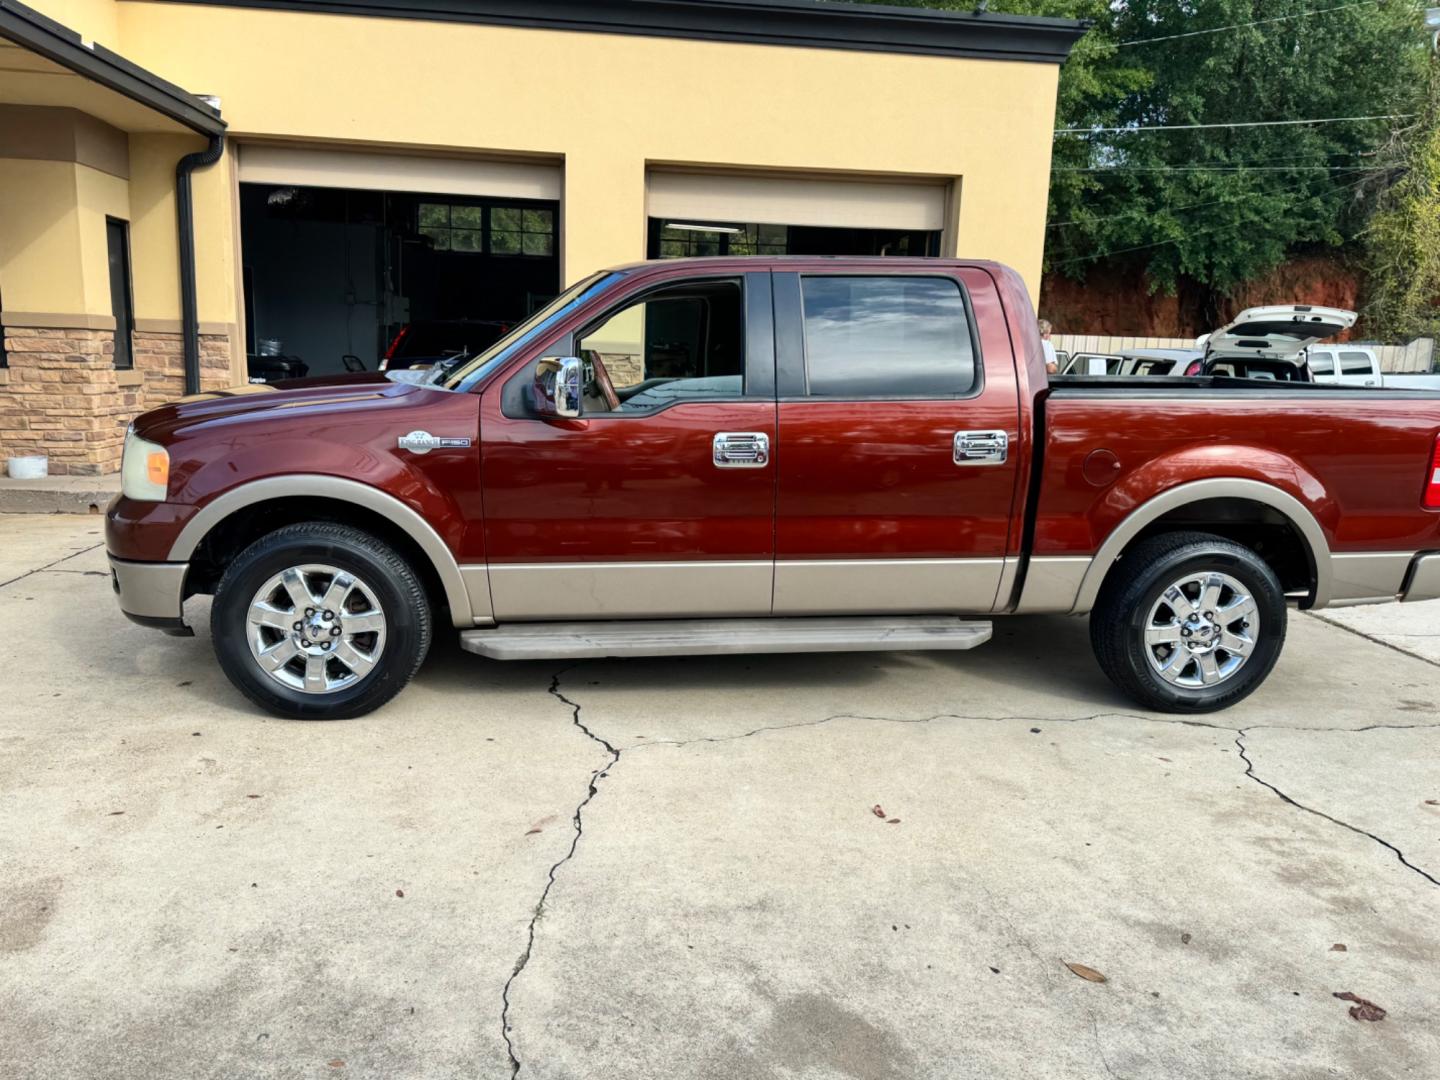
1278	332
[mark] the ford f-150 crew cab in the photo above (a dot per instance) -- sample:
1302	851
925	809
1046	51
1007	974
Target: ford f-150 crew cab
765	454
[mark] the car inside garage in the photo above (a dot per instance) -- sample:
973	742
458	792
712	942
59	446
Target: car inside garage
356	262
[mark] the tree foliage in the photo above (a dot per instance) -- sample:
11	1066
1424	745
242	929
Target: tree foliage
1402	240
1221	205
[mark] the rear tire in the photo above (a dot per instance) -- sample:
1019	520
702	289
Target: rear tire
320	621
1189	623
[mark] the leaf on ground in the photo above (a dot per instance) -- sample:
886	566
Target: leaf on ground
1185	938
115	813
1089	974
1362	1009
1337	947
400	893
878	811
336	1064
252	796
1432	802
1166	760
532	832
893	821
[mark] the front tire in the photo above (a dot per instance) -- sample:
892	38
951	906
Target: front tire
1189	623
320	621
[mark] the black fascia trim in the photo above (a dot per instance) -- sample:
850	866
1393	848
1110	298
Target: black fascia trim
40	34
816	24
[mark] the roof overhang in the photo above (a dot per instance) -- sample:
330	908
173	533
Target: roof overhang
802	23
61	46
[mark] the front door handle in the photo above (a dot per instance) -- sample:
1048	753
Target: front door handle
740	450
981	447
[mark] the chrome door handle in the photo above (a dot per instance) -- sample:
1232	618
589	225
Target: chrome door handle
740	450
981	447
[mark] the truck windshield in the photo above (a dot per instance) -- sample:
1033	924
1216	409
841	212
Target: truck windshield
462	374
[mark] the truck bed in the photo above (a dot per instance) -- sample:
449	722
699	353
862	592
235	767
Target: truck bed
1353	461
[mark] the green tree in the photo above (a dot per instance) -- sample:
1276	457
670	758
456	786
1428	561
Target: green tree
1402	240
1221	205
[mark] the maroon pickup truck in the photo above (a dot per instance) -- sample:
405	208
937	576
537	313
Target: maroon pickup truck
770	455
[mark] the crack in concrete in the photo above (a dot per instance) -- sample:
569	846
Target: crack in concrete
57	562
1231	729
614	753
578	824
1250	772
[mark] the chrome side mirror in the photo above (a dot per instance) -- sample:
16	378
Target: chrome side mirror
556	390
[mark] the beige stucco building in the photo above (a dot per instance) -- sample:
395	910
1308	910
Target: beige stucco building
448	167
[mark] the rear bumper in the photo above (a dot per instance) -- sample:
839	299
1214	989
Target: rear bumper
151	593
1423	580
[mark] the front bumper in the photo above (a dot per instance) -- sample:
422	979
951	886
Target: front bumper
1423	580
151	593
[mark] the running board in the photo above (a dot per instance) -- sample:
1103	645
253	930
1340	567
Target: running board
697	637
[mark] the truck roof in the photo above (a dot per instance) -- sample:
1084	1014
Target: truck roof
741	263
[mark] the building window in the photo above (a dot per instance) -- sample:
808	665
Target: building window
453	228
122	304
517	231
498	230
679	240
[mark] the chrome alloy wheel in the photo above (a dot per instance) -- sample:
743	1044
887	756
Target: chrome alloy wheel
1201	630
315	628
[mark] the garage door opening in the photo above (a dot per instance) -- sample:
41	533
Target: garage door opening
335	278
682	239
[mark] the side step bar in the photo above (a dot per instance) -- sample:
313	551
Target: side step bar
697	637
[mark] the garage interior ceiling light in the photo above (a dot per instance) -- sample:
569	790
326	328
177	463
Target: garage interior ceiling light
703	228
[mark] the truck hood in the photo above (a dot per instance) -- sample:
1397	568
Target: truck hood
1277	332
261	401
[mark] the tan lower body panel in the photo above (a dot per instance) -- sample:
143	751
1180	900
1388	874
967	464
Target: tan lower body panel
885	586
631	590
1372	577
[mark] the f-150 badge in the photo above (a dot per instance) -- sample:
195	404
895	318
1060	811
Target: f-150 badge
422	442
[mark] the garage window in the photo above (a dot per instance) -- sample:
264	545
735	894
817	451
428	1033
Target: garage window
478	229
517	231
887	337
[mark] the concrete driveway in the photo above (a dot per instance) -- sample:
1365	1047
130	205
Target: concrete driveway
680	868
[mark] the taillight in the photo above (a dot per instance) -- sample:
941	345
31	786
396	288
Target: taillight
1432	487
1194	368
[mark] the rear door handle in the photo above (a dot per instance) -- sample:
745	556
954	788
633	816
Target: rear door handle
981	447
740	450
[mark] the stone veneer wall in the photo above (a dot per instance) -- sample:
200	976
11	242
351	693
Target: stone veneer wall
61	395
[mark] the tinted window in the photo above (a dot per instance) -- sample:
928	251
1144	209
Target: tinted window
1355	363
682	343
1322	364
886	336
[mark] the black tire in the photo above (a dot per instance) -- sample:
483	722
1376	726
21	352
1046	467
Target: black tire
397	591
1136	584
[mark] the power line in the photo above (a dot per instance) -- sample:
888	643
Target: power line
1222	168
1241	26
1237	124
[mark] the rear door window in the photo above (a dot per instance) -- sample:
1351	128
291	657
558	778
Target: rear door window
887	336
1355	363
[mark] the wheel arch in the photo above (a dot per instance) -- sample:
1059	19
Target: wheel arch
1145	520
439	564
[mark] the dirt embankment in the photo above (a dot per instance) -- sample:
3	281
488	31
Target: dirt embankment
1111	302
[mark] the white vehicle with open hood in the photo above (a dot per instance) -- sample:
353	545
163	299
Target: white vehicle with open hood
1270	342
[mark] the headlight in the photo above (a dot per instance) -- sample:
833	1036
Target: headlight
144	469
